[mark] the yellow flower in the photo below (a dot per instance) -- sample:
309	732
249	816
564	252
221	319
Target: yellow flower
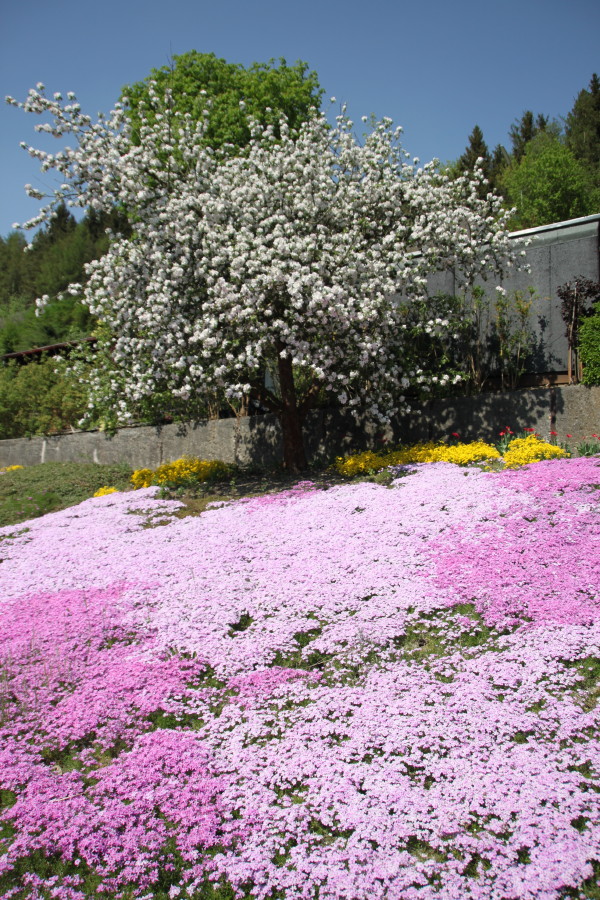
10	469
460	454
181	471
522	451
142	478
101	492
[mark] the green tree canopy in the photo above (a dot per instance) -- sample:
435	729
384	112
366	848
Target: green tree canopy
263	91
55	259
15	275
549	184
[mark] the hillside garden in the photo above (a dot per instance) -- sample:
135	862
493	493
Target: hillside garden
378	682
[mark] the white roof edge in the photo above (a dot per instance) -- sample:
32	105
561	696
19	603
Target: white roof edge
540	228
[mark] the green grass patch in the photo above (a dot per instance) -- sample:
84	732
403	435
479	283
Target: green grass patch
244	622
36	490
587	688
427	636
423	850
161	719
298	659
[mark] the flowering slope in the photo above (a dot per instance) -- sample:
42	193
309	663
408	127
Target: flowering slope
349	693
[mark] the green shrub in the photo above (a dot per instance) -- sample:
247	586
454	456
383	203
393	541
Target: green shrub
589	349
39	397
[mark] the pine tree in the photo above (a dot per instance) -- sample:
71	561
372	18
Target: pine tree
524	130
498	165
477	149
583	129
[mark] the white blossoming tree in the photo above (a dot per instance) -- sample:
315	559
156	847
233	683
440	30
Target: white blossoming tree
289	258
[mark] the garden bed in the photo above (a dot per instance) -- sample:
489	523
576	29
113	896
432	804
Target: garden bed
365	691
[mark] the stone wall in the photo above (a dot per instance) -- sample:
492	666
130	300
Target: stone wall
556	254
569	410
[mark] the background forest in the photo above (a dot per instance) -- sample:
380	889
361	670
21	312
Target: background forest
552	170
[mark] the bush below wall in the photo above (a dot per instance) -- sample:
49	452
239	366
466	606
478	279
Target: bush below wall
589	349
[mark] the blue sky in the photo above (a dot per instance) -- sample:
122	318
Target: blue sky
436	68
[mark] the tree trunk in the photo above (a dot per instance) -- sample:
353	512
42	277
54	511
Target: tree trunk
294	457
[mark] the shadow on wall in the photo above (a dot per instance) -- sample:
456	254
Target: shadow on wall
483	417
331	433
566	409
258	442
541	356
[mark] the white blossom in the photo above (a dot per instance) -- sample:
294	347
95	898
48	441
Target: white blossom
294	250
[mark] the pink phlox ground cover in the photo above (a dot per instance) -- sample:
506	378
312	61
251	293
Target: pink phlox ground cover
518	573
292	494
357	692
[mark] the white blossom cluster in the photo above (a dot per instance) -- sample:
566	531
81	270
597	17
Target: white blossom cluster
298	248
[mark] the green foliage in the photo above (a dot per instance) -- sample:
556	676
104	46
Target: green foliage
578	299
438	349
549	184
546	175
35	490
472	338
266	90
589	349
15	275
524	130
500	159
513	334
63	320
39	398
589	447
56	258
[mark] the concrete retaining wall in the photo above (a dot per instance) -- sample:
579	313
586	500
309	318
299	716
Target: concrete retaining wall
569	410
